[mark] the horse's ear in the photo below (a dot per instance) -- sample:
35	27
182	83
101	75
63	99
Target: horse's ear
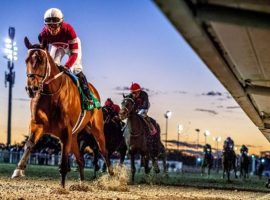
124	95
44	44
27	43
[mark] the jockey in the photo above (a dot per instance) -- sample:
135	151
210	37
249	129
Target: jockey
141	99
64	41
244	149
142	104
114	109
228	144
207	148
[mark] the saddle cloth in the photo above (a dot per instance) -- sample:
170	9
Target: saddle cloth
85	104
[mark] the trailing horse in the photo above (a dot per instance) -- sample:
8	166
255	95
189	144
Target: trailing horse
244	164
207	160
56	109
113	136
229	162
135	134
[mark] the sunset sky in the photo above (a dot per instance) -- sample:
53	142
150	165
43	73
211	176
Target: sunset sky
128	41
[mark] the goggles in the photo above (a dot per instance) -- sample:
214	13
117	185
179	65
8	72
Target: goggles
52	20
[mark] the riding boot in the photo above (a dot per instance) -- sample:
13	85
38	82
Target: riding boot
84	84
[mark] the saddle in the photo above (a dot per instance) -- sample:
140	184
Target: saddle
149	122
84	104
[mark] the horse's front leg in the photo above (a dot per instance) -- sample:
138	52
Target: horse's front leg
133	168
228	174
209	169
123	152
224	171
66	139
36	131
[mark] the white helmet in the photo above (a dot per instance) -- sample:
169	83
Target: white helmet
53	16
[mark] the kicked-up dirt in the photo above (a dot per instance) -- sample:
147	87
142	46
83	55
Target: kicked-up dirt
114	188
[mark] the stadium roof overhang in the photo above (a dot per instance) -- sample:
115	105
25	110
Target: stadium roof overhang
232	37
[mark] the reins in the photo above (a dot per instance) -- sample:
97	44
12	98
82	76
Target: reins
40	90
46	75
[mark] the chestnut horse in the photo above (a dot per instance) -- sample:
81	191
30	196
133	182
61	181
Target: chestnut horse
56	109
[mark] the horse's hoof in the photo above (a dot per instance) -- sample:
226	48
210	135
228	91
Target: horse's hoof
110	169
157	170
166	175
18	173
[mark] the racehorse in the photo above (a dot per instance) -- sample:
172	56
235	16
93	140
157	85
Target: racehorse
56	109
135	134
228	162
207	161
113	135
244	164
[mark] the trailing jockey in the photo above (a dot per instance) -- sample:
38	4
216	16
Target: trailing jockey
142	105
228	144
207	149
114	110
244	149
64	41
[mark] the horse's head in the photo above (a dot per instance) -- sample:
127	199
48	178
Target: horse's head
127	106
36	66
107	113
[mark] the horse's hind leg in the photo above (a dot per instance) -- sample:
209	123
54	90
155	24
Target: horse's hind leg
95	161
36	133
163	156
79	156
97	132
146	163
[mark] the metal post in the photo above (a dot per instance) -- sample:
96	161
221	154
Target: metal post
166	134
178	140
10	77
10	85
198	132
217	158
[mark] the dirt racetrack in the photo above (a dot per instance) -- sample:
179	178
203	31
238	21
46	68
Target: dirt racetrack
50	189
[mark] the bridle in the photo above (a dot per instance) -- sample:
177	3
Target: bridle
45	76
124	107
108	115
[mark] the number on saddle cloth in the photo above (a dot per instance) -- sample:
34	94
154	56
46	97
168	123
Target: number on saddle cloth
85	105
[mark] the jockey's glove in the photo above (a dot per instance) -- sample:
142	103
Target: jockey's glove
63	68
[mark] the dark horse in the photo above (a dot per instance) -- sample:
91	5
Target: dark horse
207	160
113	135
244	164
229	162
56	109
135	134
